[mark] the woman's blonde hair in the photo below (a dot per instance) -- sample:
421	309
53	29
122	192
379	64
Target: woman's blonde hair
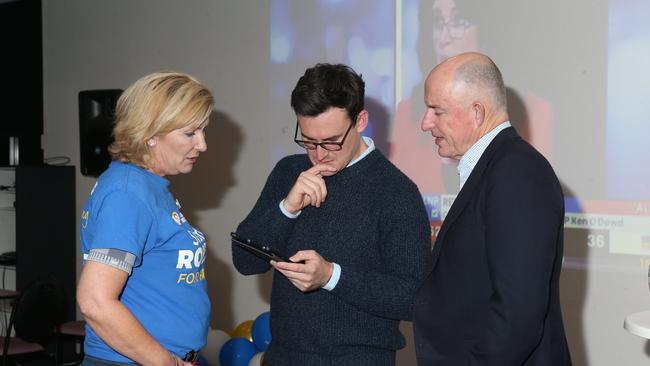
154	105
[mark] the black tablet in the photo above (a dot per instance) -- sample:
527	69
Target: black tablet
262	251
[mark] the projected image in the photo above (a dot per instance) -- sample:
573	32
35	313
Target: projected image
359	33
616	229
430	32
610	230
601	162
628	98
616	235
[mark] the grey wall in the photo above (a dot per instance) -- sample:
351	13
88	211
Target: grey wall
100	45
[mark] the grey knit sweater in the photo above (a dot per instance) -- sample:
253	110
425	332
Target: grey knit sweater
374	225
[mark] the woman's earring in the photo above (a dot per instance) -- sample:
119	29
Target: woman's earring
151	142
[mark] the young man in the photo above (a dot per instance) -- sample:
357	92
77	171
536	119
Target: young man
354	228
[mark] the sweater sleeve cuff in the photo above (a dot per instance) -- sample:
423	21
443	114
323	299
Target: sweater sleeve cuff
287	213
336	275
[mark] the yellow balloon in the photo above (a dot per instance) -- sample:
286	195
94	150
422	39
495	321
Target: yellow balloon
244	330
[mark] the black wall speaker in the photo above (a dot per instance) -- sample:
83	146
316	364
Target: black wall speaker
96	118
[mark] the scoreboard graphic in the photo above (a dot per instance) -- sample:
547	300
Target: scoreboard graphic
607	235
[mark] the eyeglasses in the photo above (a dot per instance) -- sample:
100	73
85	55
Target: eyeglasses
327	145
455	27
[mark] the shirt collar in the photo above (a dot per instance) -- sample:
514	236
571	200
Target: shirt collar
471	157
371	146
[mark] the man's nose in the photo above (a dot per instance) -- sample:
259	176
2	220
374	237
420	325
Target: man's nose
427	122
321	153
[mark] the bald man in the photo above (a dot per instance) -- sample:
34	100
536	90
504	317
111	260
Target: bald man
492	294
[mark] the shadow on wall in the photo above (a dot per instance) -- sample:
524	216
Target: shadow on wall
264	284
379	122
207	184
573	290
573	280
204	189
518	114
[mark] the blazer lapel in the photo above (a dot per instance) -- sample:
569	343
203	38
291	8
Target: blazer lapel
472	183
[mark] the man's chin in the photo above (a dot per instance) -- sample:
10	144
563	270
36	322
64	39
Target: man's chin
444	155
328	174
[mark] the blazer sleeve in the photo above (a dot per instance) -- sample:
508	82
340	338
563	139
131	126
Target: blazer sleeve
523	218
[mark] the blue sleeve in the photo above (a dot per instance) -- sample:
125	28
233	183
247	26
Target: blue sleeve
121	221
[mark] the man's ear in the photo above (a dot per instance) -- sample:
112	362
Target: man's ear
478	113
362	121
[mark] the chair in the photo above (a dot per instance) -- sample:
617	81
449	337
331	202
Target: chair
35	314
71	330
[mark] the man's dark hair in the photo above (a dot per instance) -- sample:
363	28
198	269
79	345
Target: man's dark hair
325	86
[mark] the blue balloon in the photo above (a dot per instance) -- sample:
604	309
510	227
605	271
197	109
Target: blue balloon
262	331
236	352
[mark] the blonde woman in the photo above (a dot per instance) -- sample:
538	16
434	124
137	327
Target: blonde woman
142	289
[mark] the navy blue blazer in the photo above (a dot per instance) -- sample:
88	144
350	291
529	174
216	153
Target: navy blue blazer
492	294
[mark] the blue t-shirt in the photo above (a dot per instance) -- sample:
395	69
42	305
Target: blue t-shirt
131	209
